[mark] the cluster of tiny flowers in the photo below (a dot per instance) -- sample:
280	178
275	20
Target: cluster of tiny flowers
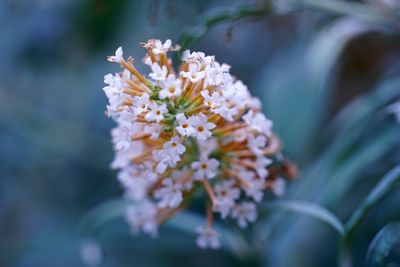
182	132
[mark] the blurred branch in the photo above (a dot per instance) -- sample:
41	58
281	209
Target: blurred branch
215	18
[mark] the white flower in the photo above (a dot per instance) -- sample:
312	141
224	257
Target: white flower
183	177
225	112
208	238
258	122
185	127
160	48
240	135
215	73
170	194
114	93
123	158
169	155
135	183
244	213
202	126
170	88
141	103
156	112
194	74
226	191
208	146
205	168
197	57
254	187
158	73
142	215
279	187
213	101
256	144
118	58
173	147
226	195
261	166
154	130
222	206
121	138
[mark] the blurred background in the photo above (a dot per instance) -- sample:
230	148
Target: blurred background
324	70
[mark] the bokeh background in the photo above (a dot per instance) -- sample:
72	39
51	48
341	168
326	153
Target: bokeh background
324	72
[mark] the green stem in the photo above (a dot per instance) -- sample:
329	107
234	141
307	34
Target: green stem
345	259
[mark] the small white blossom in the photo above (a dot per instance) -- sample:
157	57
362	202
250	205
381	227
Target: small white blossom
174	147
258	122
205	168
118	58
256	144
169	155
261	166
244	213
254	186
141	104
160	48
202	126
213	101
185	126
279	187
170	88
156	112
194	74
158	73
208	238
170	195
226	194
142	216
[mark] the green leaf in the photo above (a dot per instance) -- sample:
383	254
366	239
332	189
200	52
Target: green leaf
103	214
184	221
358	10
310	209
382	243
385	185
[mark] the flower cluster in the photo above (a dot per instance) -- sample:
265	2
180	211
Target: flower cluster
187	132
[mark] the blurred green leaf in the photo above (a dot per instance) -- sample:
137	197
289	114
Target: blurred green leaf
351	8
382	243
310	209
184	221
102	214
385	185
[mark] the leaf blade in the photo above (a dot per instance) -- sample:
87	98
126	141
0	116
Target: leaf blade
310	209
379	247
386	184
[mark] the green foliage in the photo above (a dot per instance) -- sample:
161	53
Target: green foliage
382	243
